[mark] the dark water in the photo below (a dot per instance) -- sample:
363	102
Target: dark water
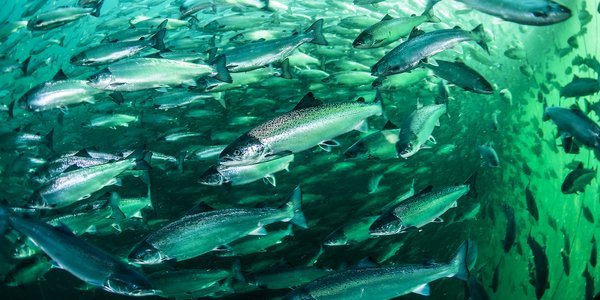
335	191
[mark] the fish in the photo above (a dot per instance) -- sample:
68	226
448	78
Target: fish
476	289
531	12
260	54
220	174
28	272
408	55
387	282
132	75
587	214
82	259
421	209
188	8
589	284
390	30
495	278
112	52
416	130
461	75
111	121
205	231
60	93
577	180
489	155
21	140
594	252
380	145
60	16
353	232
573	122
309	124
542	272
189	283
511	229
70	187
580	87
530	201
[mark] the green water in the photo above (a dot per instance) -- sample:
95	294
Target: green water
335	191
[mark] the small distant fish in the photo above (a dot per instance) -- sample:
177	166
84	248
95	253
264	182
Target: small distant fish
389	29
419	47
587	214
61	16
489	155
531	12
594	252
565	262
461	75
577	180
511	228
589	285
495	278
530	201
542	272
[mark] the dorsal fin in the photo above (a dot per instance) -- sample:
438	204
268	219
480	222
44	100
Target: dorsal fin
308	100
199	208
428	189
575	77
367	262
60	75
415	33
82	153
360	100
580	166
574	107
387	18
389	125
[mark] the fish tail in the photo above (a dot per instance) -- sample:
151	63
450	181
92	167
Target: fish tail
429	11
479	33
295	205
545	116
464	259
141	159
471	182
220	66
236	271
114	206
49	140
379	100
96	9
157	39
193	23
25	65
316	30
11	109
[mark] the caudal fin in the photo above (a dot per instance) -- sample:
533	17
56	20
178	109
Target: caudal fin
295	205
49	139
464	259
479	34
316	30
96	9
141	159
429	11
158	37
220	67
471	182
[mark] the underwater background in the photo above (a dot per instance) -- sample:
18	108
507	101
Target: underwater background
526	65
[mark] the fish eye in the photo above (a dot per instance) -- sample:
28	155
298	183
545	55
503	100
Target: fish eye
237	152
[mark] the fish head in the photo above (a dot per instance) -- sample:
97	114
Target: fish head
212	177
130	283
245	150
336	239
553	11
406	149
146	254
101	80
357	151
387	224
364	40
79	59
